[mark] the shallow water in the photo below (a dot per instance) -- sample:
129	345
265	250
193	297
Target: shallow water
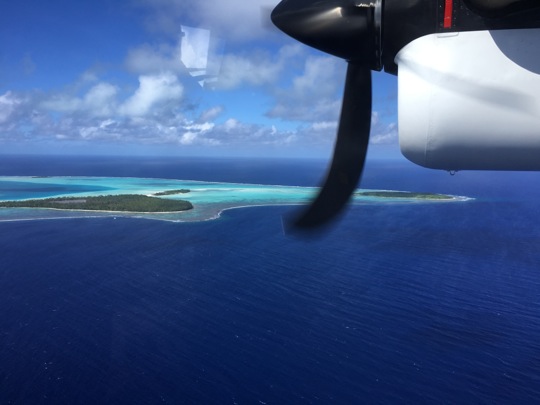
209	198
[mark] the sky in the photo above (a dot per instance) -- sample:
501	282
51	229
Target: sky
123	78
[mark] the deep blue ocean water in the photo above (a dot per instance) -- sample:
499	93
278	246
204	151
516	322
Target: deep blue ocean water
416	303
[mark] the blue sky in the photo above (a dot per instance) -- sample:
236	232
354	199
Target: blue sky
116	77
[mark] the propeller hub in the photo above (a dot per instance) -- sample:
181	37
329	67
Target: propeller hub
349	29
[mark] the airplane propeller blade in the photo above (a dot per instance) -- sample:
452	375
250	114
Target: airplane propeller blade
347	29
349	152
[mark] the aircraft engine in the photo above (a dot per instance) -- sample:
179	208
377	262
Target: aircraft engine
471	100
468	83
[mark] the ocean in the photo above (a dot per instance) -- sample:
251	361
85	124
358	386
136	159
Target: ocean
396	303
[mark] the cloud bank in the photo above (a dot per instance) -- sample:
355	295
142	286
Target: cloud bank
281	95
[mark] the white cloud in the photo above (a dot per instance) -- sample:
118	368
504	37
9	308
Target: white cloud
384	138
153	90
147	59
63	103
207	126
8	104
193	54
382	133
88	132
100	100
155	111
251	69
188	138
320	77
325	126
235	132
257	67
230	125
106	123
315	94
161	127
211	114
88	77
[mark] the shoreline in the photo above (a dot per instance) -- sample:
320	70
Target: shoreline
103	211
207	203
130	203
217	215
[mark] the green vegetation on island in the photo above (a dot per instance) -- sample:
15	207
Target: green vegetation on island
172	192
404	194
122	203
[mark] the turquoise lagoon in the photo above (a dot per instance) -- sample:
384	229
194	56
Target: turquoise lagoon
209	199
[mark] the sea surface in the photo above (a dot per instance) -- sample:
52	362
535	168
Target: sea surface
396	303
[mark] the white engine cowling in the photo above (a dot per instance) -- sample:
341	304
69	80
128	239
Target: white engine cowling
471	100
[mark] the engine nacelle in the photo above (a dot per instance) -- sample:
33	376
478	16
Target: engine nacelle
471	100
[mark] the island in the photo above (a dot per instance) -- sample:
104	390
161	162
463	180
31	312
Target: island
408	195
40	197
120	203
172	192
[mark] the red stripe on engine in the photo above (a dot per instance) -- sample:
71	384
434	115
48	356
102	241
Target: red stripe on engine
448	8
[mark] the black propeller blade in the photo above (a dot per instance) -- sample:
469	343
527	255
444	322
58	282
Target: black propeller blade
349	151
350	30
